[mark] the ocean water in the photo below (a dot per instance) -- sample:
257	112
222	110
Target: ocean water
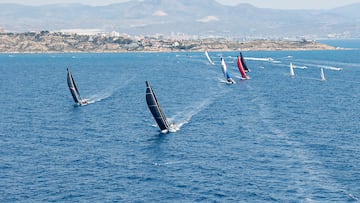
272	138
343	43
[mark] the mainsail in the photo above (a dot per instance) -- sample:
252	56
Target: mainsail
155	109
241	68
322	74
291	70
225	72
73	89
208	57
244	63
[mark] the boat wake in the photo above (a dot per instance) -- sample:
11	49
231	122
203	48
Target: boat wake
332	68
106	93
323	64
221	80
300	67
100	96
268	59
326	67
186	115
240	78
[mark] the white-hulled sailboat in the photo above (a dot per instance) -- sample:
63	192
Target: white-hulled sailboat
292	73
208	58
227	75
322	75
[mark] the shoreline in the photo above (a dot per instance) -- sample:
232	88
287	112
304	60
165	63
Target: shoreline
46	42
129	52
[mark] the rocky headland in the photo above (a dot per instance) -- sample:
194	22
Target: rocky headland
58	42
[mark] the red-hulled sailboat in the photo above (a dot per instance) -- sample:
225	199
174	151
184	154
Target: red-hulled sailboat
241	68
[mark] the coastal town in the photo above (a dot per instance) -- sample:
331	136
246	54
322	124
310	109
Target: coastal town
62	42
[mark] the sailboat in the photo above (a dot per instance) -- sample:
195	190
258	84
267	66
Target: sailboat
241	68
208	58
292	74
74	90
244	63
322	74
157	112
227	75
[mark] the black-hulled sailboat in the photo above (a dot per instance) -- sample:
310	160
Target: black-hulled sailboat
244	63
74	90
157	112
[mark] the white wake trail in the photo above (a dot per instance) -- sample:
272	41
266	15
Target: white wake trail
186	115
107	92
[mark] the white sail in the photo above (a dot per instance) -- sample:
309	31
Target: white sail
208	57
292	70
227	75
322	74
223	67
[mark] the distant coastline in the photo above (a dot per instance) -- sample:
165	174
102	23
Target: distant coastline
57	42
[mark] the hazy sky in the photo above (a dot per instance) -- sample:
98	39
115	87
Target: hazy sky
279	4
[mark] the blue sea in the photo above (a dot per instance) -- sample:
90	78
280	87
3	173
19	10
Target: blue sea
272	138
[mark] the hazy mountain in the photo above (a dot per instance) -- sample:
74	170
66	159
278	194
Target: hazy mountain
200	17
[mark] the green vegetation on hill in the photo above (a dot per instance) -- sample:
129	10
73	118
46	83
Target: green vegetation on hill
53	42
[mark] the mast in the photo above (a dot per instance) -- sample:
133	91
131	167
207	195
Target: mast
155	109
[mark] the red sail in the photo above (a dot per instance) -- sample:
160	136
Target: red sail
241	68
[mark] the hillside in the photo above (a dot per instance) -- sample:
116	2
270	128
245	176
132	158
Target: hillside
46	42
201	18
